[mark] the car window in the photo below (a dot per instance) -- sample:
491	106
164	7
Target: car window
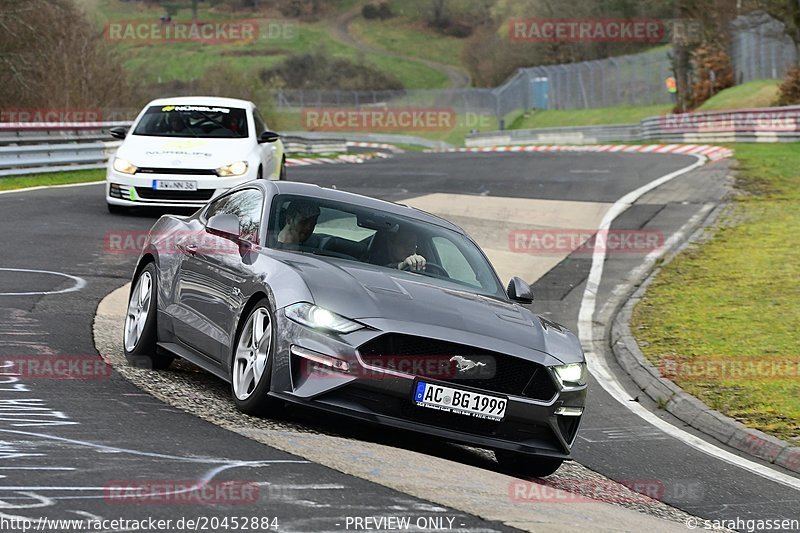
259	122
453	261
357	233
193	121
246	204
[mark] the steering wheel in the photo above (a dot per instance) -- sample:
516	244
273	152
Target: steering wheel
437	269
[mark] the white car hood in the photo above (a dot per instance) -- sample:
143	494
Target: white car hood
182	152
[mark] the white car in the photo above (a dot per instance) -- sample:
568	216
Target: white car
181	152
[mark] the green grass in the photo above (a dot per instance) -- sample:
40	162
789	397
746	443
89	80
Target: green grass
587	117
52	178
759	93
413	39
166	61
737	297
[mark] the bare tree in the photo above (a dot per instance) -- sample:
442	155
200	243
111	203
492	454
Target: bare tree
52	56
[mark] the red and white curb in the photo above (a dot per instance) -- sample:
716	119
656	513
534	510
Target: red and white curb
382	146
713	153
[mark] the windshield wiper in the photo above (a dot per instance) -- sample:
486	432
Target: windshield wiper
186	123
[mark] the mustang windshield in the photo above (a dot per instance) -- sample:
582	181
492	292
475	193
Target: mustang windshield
355	233
193	121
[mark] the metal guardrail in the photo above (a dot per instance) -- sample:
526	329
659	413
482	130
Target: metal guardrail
567	135
772	124
36	148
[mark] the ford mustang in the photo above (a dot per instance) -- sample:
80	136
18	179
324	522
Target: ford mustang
295	293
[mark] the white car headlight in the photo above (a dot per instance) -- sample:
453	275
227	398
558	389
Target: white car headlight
234	169
316	317
571	376
126	167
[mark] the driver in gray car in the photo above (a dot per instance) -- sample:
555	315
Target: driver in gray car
401	250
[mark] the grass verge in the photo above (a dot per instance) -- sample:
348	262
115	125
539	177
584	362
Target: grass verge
758	93
556	118
730	307
52	178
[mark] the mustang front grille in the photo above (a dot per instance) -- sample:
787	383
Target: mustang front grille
501	373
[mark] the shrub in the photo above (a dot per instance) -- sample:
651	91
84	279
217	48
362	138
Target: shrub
319	70
789	91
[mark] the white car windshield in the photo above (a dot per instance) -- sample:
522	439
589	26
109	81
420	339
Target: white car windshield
204	121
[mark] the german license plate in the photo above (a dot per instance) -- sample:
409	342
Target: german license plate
460	401
174	185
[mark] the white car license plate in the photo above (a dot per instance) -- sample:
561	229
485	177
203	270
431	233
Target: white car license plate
460	401
174	185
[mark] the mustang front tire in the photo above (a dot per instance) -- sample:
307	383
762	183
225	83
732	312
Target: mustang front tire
251	364
139	339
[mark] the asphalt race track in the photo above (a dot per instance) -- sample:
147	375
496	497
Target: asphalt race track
63	442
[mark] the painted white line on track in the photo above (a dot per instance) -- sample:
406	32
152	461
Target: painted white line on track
44	187
602	373
79	283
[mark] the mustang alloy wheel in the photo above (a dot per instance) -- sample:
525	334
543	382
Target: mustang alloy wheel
140	336
252	361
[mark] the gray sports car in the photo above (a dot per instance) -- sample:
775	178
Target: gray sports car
348	304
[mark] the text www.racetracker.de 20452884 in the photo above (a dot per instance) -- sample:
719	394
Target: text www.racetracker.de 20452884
198	523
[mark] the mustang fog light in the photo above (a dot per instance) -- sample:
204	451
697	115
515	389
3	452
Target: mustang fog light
317	317
322	359
571	376
234	169
569	411
125	167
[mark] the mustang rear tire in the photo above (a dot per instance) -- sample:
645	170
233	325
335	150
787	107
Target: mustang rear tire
527	465
139	339
251	363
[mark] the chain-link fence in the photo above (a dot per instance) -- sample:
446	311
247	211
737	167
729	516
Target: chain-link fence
760	49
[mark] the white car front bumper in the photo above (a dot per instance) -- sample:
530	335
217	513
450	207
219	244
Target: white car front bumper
138	190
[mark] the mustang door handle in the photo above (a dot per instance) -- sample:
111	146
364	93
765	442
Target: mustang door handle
190	248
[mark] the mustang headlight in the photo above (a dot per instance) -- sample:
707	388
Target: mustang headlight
314	316
234	169
571	376
126	167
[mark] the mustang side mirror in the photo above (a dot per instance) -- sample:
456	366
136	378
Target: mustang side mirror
225	225
268	137
519	291
118	132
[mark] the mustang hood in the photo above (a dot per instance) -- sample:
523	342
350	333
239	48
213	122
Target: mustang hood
417	304
180	152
